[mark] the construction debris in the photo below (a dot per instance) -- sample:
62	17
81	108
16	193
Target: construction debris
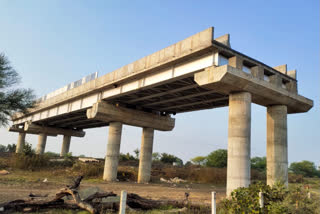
4	172
88	160
175	180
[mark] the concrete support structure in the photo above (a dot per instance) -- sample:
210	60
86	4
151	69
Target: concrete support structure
21	142
113	150
239	130
65	145
145	162
277	145
42	139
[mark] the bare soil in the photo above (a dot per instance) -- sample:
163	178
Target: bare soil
19	184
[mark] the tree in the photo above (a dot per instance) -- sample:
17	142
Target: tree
12	100
137	152
3	148
168	158
259	163
11	147
156	156
217	158
199	160
305	168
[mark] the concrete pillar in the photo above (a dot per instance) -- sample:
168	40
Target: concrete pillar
42	139
239	131
65	145
113	150
277	145
145	161
21	142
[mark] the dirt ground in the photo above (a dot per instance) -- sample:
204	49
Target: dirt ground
18	185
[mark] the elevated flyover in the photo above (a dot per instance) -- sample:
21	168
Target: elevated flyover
197	73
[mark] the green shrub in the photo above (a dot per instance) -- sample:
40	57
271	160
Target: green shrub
277	199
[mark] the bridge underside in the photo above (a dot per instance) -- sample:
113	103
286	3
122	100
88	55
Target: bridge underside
180	96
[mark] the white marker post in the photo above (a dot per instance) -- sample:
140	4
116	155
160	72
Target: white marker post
261	201
123	202
213	203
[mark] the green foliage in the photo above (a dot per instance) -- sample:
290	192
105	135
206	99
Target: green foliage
12	100
27	149
277	199
259	163
199	160
52	154
3	148
156	156
68	156
305	168
218	158
137	152
11	147
170	159
126	157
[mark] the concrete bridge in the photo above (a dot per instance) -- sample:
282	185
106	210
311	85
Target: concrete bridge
194	74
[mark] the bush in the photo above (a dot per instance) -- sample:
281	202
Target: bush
29	162
89	169
170	159
277	199
305	168
11	148
259	163
218	158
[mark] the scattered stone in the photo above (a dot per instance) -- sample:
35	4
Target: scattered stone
175	180
88	160
4	172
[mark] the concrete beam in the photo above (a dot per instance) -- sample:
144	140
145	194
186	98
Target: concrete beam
113	152
239	132
52	130
292	73
236	62
21	130
277	145
145	161
281	68
226	79
108	113
225	39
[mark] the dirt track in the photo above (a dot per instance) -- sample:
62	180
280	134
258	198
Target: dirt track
198	193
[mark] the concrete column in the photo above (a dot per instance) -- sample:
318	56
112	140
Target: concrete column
277	145
21	142
145	162
239	131
65	145
113	150
42	139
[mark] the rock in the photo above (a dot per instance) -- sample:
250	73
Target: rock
85	193
88	160
4	172
45	180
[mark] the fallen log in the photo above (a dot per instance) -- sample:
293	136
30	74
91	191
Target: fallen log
76	198
92	203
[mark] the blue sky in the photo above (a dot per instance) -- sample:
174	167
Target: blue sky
53	43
